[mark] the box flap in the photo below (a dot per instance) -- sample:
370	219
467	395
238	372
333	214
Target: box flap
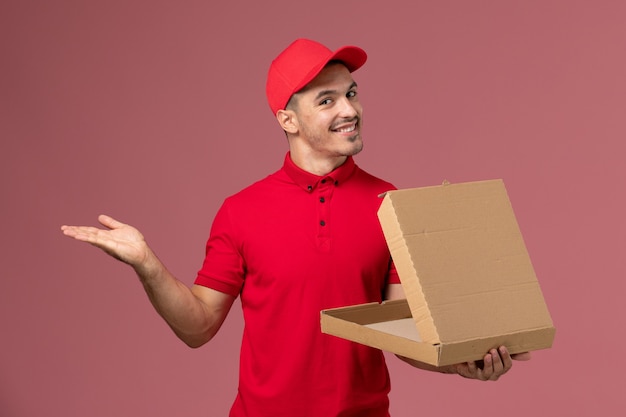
462	261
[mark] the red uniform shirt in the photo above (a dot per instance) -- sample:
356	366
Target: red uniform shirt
290	246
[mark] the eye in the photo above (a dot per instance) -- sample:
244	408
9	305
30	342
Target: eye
351	94
325	102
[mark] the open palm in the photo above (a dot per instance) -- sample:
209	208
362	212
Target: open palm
119	240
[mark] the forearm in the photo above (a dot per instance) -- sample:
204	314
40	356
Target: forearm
186	314
194	315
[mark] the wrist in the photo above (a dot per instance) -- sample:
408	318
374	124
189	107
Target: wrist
149	268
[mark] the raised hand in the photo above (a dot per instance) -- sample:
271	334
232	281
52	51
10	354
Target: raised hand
194	315
119	240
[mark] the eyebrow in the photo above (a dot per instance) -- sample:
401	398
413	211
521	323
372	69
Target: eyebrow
326	92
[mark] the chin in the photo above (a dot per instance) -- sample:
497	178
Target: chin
358	147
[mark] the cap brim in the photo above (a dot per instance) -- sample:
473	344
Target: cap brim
352	57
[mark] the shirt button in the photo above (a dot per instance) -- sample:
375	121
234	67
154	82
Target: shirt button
322	223
309	187
322	199
323	181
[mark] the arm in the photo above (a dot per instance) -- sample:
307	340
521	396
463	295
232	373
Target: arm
194	314
494	364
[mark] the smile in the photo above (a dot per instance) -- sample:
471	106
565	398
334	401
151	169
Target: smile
346	129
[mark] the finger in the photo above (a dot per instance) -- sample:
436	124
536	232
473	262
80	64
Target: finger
505	357
66	230
473	370
488	370
92	235
96	237
78	232
109	222
498	366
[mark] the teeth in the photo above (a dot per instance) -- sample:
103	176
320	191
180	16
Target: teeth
347	129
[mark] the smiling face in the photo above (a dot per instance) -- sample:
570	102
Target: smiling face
323	121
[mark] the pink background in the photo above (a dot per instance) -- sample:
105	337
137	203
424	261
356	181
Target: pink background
155	111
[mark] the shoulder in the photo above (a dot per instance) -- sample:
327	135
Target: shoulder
259	191
365	178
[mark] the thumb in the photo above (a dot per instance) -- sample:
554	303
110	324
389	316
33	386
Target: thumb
526	356
109	222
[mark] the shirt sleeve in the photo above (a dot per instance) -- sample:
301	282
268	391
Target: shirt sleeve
223	268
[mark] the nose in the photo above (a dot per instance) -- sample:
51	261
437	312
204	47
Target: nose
348	108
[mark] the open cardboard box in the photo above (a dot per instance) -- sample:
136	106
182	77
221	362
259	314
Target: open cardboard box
468	280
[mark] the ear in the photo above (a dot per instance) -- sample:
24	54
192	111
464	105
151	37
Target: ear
287	120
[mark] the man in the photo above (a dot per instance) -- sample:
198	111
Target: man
305	238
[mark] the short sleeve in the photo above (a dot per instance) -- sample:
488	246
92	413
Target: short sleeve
223	267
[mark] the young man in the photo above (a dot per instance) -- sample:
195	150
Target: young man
304	239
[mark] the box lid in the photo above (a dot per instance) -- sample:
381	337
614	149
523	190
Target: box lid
462	261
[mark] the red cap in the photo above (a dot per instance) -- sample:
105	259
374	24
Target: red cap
299	63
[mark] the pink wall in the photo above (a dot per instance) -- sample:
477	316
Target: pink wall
155	111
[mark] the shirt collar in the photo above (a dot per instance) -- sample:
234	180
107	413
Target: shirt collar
309	182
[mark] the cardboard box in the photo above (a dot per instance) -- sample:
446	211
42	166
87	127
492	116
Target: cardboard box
468	280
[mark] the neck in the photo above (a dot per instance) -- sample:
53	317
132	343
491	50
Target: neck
316	164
